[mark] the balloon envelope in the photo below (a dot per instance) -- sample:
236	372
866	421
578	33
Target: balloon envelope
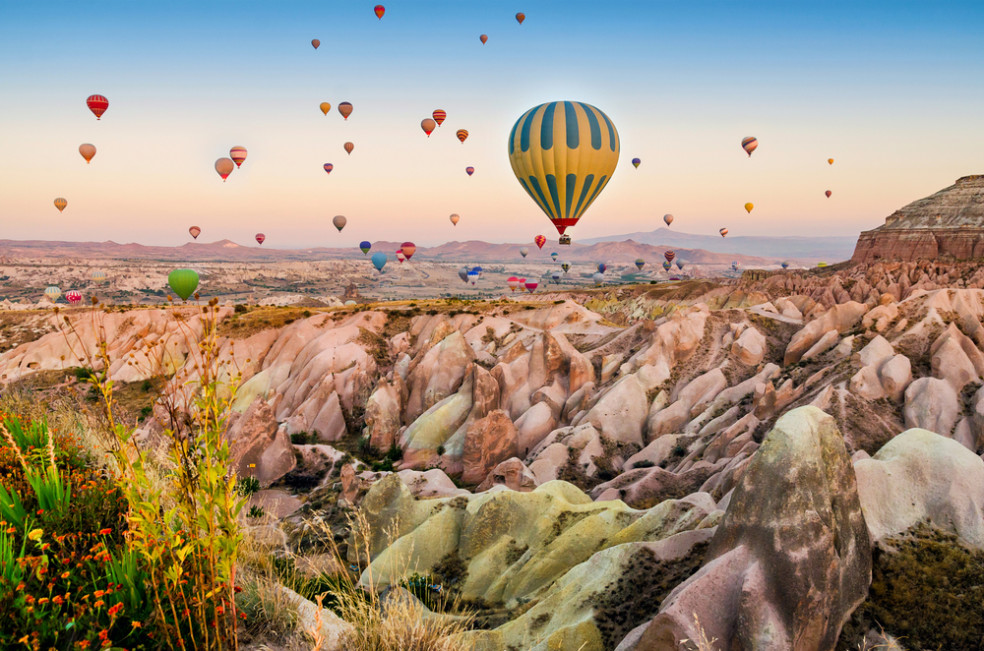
195	232
553	256
669	255
513	282
462	135
602	267
348	147
260	238
679	264
87	151
315	43
345	108
830	161
328	168
784	265
598	278
749	206
439	116
723	232
379	10
540	240
400	256
469	170
828	193
530	286
99	275
455	218
238	155
484	39
325	107
60	204
563	154
365	246
224	167
636	162
97	104
183	282
640	263
666	265
378	260
408	248
749	144
524	251
73	296
566	266
339	222
428	125
52	292
520	17
463	274
668	219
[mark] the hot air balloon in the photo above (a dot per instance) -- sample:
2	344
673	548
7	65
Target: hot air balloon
598	278
87	151
484	39
669	255
183	282
345	108
679	264
224	167
473	276
348	147
749	144
195	232
540	240
520	17
463	274
666	265
821	264
668	219
238	155
524	251
365	246
408	248
52	292
462	135
455	218
339	222
602	267
554	256
260	238
469	170
531	286
830	161
428	125
328	168
400	256
325	107
566	266
784	264
640	263
555	276
563	154
315	43
734	265
636	162
723	232
439	116
749	206
97	104
379	10
828	193
378	260
99	276
60	204
477	270
73	296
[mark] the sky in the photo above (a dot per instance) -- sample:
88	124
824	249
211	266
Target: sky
890	90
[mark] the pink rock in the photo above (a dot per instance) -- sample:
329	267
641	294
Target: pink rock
489	440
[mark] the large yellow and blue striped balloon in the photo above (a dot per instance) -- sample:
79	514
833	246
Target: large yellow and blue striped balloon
563	153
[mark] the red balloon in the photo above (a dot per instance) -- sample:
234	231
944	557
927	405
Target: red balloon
328	168
260	238
408	249
97	104
484	39
379	10
540	240
828	193
530	286
469	170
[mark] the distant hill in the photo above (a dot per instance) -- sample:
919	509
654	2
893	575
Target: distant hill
610	251
829	249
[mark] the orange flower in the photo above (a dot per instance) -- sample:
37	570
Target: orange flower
99	604
115	610
42	601
136	624
20	586
57	599
105	532
103	634
99	593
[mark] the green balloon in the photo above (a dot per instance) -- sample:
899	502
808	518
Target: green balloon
184	282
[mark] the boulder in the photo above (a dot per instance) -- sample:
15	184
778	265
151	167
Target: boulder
620	413
489	440
749	348
437	375
840	318
931	404
511	473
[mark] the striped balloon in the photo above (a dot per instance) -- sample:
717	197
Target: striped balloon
99	276
563	154
469	170
328	168
73	296
749	144
540	240
462	135
238	155
439	116
52	292
97	104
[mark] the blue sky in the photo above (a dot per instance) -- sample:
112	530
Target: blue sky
890	90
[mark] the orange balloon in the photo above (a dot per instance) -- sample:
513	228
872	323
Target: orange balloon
60	204
462	135
520	17
439	116
428	125
87	151
349	147
224	167
484	39
345	108
325	107
315	42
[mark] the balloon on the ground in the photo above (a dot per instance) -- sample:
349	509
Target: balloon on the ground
484	39
439	116
328	168
749	144
462	135
52	292
735	265
97	104
378	260
455	218
379	10
563	154
540	240
339	222
428	125
408	248
60	204
668	219
469	170
365	246
345	108
88	151
315	43
238	155
636	162
749	207
723	232
183	282
325	107
224	167
260	238
73	296
640	263
524	251
195	232
348	147
520	17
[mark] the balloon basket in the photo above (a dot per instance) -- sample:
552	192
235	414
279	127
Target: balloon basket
565	239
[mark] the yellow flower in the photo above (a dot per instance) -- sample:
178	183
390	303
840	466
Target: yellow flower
35	534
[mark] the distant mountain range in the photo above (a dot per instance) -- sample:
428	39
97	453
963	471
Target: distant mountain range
694	249
829	249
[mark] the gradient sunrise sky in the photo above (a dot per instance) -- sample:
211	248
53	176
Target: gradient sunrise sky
891	90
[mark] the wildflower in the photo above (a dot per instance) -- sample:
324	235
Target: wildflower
136	624
103	634
99	604
99	593
105	532
35	534
40	511
20	586
57	599
115	610
42	601
82	644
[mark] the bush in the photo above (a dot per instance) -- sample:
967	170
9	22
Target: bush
240	309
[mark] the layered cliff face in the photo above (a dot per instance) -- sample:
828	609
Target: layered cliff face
948	224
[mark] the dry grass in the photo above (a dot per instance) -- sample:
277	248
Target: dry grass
257	319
